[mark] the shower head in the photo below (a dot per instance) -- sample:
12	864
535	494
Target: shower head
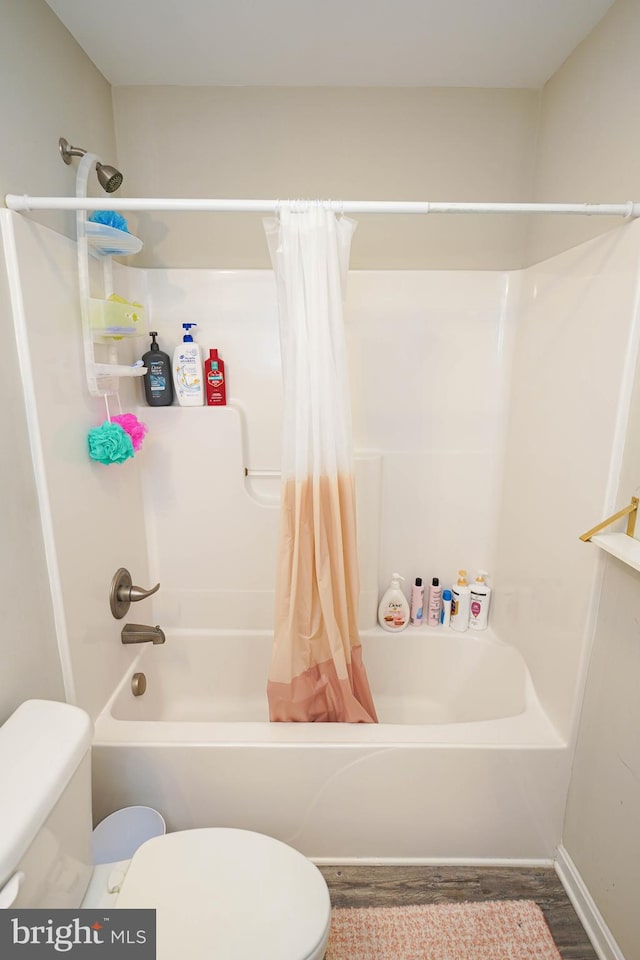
110	178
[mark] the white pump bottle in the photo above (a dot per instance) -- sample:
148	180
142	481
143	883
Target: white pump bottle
480	597
460	596
393	611
188	377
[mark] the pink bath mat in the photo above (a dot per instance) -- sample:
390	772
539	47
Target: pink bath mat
495	930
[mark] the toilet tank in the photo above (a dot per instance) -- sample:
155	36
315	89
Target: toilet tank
45	805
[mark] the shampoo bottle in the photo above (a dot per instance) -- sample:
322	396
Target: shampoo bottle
445	616
435	603
187	371
393	612
460	603
214	380
480	598
158	384
417	603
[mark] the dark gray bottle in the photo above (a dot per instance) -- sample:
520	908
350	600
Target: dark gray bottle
158	382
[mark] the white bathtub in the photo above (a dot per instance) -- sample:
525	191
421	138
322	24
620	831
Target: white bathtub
464	763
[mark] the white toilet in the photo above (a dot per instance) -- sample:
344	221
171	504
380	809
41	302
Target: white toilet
218	893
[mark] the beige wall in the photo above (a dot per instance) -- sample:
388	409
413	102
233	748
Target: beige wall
49	89
28	651
341	143
602	823
590	149
589	141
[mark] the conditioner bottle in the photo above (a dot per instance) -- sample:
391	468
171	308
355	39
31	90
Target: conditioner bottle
480	598
460	603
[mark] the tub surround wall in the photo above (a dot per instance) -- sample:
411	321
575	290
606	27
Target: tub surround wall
95	512
573	367
213	534
430	356
429	364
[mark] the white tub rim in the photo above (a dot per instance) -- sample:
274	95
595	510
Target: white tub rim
530	729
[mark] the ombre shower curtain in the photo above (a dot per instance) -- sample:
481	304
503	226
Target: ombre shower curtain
316	672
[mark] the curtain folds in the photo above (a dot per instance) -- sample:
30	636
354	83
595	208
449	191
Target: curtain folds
317	672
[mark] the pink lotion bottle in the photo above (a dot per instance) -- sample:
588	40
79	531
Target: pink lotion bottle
434	603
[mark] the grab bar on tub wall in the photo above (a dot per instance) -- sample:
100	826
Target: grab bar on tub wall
273	474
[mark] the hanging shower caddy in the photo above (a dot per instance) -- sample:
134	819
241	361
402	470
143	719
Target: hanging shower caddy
104	322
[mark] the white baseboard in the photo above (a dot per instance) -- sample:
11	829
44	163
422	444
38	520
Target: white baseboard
596	929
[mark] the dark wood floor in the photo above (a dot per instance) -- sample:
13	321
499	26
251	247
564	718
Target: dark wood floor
382	886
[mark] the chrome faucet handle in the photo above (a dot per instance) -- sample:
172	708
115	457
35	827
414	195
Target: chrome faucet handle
136	593
123	593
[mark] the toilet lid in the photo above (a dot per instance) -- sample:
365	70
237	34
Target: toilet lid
229	894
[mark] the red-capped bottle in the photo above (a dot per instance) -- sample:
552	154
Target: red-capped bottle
215	381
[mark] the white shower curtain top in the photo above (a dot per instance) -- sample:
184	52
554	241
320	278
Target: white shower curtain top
309	250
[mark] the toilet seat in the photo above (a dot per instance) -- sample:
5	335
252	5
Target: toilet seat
229	894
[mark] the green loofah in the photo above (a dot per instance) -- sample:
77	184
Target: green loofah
109	443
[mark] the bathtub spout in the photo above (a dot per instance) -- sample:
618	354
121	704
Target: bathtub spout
140	633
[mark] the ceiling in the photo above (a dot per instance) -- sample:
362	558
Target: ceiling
462	43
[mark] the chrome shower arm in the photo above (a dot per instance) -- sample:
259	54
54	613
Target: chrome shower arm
67	151
109	178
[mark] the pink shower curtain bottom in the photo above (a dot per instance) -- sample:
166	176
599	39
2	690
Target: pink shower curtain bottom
317	672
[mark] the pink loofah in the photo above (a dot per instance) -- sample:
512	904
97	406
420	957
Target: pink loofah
134	427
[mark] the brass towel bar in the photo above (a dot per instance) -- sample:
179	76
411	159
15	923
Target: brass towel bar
631	510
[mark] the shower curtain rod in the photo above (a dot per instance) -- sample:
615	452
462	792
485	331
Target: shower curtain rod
628	210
